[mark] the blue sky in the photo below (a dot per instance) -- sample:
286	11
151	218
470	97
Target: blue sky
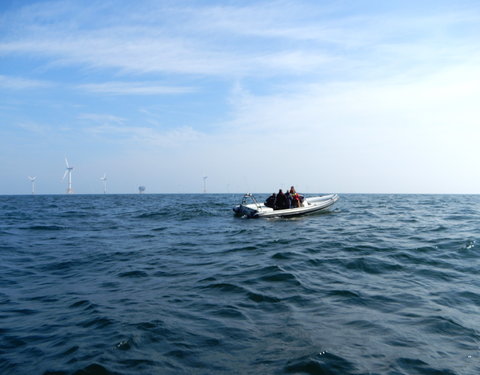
332	96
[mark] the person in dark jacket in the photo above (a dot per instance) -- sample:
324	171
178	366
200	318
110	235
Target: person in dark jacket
289	199
270	202
282	201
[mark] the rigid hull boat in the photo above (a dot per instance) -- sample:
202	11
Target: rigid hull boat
256	209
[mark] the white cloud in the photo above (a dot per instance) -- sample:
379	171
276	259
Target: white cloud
134	88
251	40
365	136
102	118
18	83
148	137
35	128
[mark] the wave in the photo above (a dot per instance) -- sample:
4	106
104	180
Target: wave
45	227
92	369
153	215
322	363
133	274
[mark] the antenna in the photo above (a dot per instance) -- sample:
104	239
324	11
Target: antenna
32	179
205	184
104	179
68	172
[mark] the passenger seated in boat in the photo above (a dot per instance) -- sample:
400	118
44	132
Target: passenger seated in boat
270	202
282	201
289	199
297	198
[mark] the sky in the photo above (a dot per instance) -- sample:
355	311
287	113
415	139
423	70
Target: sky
329	96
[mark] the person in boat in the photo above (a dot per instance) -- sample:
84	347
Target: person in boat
297	199
289	199
282	201
270	202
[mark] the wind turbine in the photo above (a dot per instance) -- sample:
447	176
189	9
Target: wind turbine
205	184
69	172
32	179
104	179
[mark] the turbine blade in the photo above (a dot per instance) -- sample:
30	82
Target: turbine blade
66	162
65	174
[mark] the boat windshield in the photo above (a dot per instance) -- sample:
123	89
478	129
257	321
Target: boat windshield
248	198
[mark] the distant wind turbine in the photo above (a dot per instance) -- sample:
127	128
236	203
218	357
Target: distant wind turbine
68	172
32	179
205	184
104	179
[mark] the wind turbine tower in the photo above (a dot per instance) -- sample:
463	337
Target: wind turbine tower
68	172
32	179
205	184
104	179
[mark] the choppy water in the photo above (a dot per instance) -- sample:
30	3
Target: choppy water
174	284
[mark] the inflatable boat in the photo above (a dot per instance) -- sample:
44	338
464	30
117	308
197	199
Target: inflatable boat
251	208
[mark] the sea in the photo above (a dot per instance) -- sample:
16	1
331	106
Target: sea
175	284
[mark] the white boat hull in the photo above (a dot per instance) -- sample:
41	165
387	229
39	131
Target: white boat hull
310	205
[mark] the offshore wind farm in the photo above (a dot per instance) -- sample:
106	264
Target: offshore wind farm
67	177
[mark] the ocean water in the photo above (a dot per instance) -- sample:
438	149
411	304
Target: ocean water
175	284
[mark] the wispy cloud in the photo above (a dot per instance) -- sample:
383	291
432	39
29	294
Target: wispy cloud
35	128
134	88
18	83
431	101
147	136
280	37
99	118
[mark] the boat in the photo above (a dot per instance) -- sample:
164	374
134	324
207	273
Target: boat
251	208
